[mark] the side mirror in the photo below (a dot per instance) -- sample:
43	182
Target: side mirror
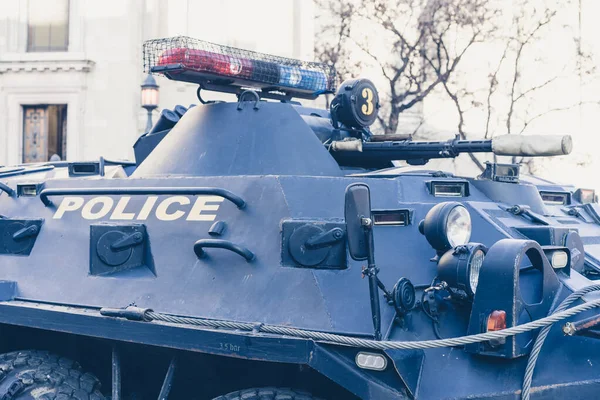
359	233
357	206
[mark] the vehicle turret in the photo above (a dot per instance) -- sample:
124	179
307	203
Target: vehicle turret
257	137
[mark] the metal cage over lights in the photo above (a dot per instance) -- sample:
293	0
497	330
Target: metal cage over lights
191	60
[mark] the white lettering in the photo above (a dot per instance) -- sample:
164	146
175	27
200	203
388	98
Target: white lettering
147	207
119	212
106	205
200	206
172	208
68	204
161	210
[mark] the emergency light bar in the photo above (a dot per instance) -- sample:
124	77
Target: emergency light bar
229	69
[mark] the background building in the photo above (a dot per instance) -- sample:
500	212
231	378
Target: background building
71	70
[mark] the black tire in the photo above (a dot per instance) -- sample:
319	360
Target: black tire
267	394
39	375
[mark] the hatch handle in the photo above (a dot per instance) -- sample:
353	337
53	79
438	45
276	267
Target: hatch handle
522	210
127	241
226	194
325	239
201	244
30	231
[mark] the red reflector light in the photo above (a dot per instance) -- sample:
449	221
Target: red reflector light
496	321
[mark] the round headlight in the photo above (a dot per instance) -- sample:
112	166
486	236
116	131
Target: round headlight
460	267
446	225
475	268
458	226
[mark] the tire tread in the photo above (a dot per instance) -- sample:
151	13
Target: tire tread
63	378
267	393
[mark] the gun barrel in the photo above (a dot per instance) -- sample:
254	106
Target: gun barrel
376	154
357	152
409	150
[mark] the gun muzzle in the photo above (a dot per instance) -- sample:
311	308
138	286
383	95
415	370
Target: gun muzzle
532	145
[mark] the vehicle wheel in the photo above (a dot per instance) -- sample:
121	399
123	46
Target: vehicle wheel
267	394
39	375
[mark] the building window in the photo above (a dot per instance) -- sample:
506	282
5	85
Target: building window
48	25
44	133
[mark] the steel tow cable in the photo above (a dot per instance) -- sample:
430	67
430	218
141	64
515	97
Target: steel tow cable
329	338
541	337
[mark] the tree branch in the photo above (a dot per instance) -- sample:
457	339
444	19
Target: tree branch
516	75
492	89
553	110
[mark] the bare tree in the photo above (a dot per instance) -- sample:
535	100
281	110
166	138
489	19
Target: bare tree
516	82
420	47
531	25
335	18
416	44
522	39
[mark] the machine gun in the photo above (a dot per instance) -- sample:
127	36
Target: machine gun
373	153
355	108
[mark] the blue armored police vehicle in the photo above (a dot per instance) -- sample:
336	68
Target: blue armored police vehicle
259	249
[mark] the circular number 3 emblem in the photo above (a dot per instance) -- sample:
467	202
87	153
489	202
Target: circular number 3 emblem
367	108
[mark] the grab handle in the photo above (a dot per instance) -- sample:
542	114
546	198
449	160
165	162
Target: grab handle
226	194
201	244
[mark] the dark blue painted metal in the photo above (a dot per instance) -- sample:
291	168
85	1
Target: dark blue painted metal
89	322
272	160
502	275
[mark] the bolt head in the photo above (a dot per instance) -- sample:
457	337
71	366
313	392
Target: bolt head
568	329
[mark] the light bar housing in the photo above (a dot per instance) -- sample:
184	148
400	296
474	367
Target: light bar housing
228	69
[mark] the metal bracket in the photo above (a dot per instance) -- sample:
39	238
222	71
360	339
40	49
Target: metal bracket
168	382
116	373
198	91
240	104
131	313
